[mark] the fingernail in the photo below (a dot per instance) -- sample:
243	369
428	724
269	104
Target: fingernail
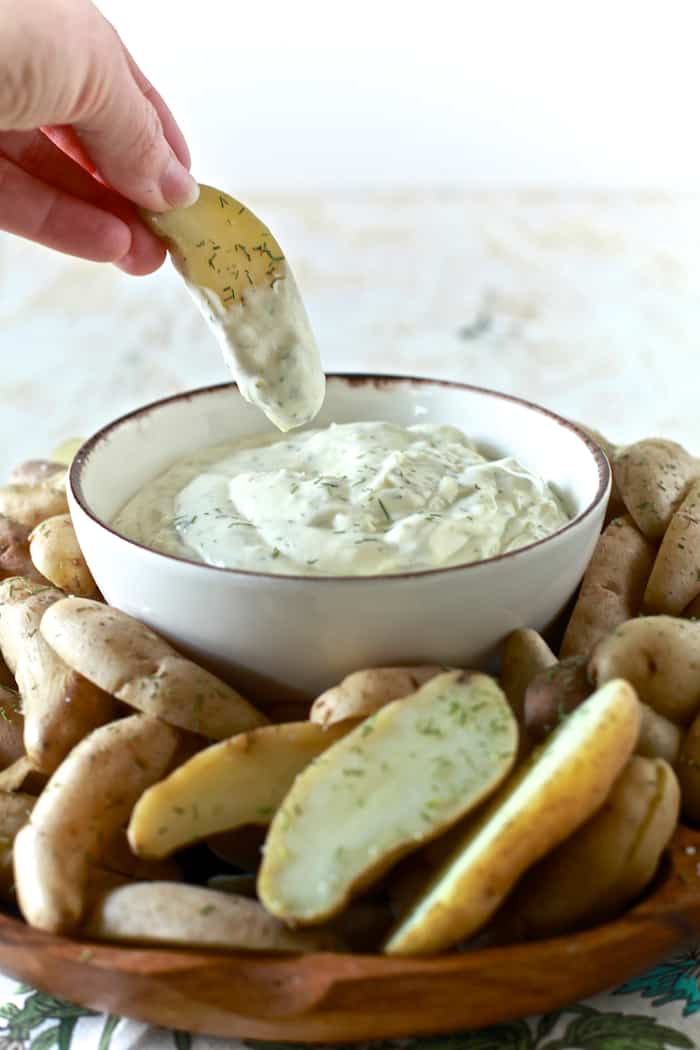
177	185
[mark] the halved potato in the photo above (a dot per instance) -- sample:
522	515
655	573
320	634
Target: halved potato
86	801
619	850
546	800
397	780
228	785
131	662
175	913
362	693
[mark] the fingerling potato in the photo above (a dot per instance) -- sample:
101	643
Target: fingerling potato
54	550
85	802
612	588
30	504
653	476
658	736
397	780
196	917
675	578
619	850
126	659
15	559
551	795
364	692
525	655
553	694
15	809
236	782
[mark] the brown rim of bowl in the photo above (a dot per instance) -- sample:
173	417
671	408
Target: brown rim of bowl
351	379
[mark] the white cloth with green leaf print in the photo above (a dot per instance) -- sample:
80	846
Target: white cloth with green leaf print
659	1010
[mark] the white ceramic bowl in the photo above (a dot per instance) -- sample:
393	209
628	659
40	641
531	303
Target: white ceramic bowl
290	636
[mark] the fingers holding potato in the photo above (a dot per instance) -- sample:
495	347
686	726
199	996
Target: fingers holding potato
612	588
54	550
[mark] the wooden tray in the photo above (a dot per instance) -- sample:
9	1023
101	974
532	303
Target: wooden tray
327	998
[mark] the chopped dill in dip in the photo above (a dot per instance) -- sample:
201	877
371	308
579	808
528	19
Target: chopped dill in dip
352	499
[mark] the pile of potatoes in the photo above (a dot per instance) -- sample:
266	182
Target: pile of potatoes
408	810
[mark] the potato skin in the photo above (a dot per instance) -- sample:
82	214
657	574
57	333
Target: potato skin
613	586
54	550
675	578
660	657
39	472
688	771
362	693
525	655
619	850
653	477
132	663
553	694
659	737
60	706
30	504
15	559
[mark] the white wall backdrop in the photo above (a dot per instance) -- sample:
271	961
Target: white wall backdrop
313	93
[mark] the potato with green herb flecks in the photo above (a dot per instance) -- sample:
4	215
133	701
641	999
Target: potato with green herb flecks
553	793
396	781
132	663
612	588
653	477
231	784
553	694
619	850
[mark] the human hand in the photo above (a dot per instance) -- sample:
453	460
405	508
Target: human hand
83	137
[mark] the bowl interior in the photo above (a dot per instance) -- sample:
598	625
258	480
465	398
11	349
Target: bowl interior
132	451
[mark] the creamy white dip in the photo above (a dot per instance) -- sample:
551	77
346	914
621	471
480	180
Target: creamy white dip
267	342
354	499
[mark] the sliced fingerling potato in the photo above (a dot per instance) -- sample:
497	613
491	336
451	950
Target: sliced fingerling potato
364	692
126	659
59	706
56	554
552	794
397	780
613	586
658	655
86	801
228	785
619	850
196	917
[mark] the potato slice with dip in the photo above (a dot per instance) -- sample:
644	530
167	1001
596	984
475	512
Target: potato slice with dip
397	780
552	793
231	784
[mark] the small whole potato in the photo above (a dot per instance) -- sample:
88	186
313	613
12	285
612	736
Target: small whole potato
653	477
553	694
675	579
56	554
525	655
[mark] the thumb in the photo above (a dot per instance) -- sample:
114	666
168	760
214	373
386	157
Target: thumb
124	137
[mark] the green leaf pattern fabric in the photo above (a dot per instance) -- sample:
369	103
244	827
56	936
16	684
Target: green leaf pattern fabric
659	1010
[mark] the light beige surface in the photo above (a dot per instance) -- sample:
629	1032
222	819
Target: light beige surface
589	303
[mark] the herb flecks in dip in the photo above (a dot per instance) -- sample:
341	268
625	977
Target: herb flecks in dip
353	499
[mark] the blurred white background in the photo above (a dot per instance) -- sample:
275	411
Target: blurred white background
315	93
